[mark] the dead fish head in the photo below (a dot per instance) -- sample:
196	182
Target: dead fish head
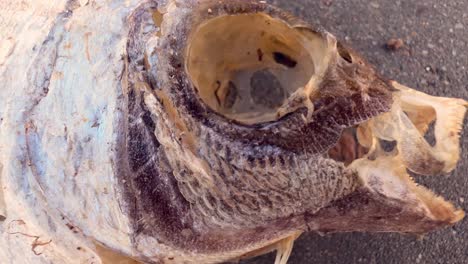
270	127
240	126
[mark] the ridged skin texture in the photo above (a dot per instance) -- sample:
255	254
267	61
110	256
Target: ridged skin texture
193	174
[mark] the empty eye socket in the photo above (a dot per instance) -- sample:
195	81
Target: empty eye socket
246	66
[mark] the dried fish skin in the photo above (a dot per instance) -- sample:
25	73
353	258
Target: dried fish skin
155	160
344	79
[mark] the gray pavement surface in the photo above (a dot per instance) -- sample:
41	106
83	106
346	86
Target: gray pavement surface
434	60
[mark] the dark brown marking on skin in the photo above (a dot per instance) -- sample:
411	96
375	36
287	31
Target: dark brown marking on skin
163	205
218	86
231	95
151	186
153	201
137	148
260	54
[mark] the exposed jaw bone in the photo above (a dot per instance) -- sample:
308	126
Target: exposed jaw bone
409	120
388	199
385	172
394	202
423	109
387	177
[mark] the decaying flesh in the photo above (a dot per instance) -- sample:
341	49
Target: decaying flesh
202	132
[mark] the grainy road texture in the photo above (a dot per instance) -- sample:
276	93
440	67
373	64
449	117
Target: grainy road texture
434	60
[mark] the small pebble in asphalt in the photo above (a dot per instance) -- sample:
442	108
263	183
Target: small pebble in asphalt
374	4
418	260
395	44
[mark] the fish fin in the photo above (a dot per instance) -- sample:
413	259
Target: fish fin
284	249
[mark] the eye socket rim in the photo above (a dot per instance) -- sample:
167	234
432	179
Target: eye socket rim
299	66
285	136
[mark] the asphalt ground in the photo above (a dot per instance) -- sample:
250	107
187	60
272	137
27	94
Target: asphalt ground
434	59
